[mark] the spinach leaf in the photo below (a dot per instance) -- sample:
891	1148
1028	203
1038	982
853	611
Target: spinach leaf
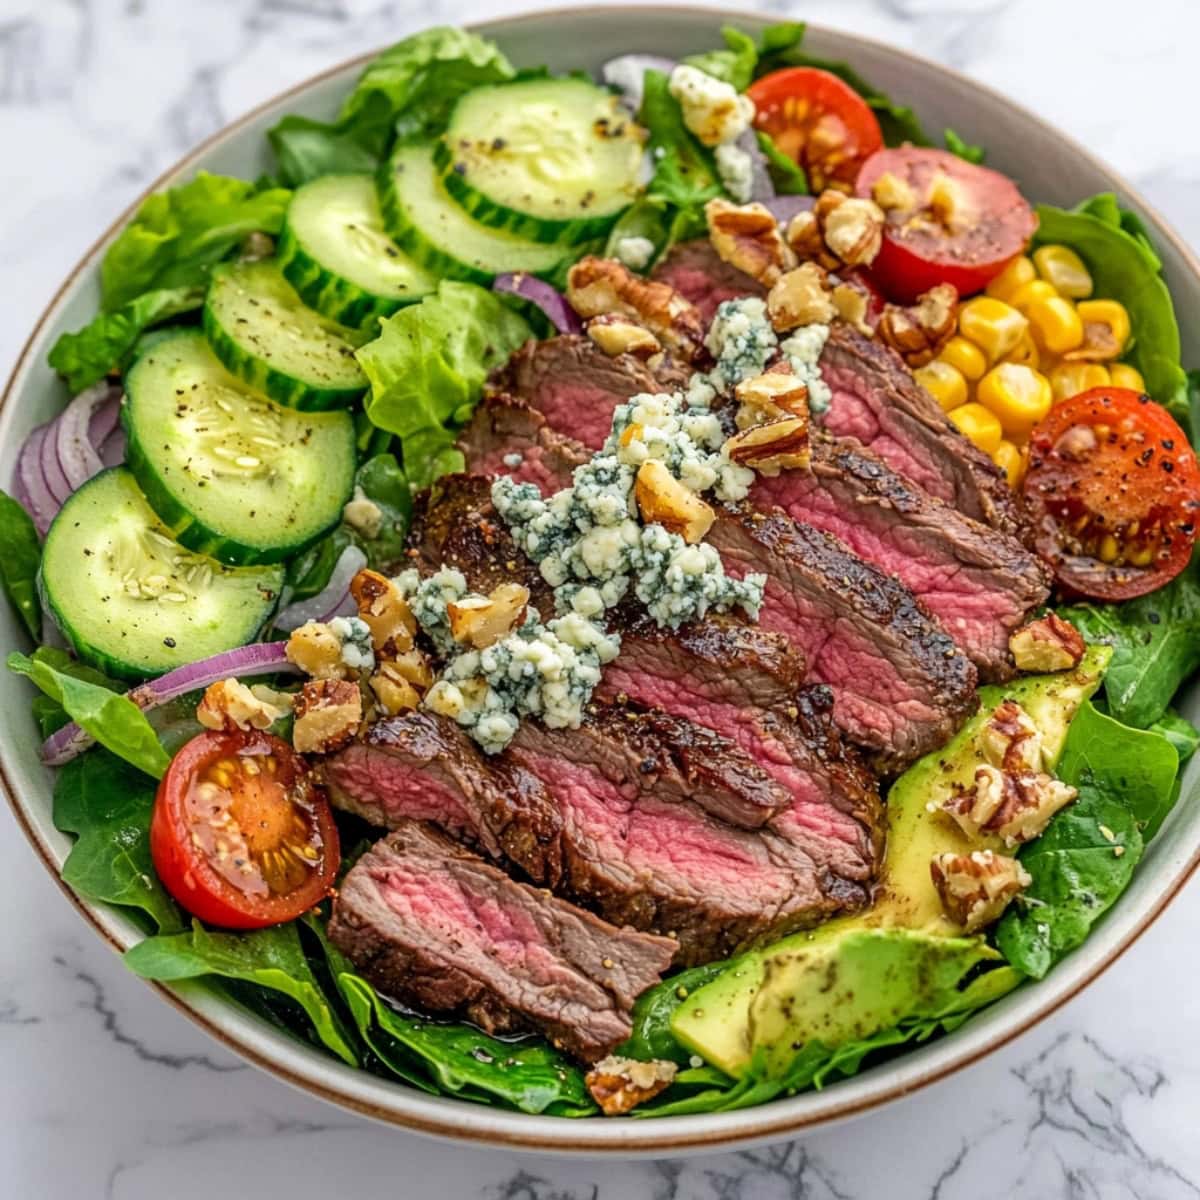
964	149
1087	855
734	65
384	484
1156	646
111	718
652	1036
107	805
308	573
427	368
177	235
20	556
49	713
414	83
1125	267
1180	732
787	176
271	958
106	344
685	175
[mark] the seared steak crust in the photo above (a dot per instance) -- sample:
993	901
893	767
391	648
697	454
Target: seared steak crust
432	925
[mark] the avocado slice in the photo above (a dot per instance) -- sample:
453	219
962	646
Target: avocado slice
855	976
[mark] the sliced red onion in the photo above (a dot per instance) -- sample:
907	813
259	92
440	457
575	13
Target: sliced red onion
784	208
112	452
261	658
762	186
537	291
57	483
333	600
105	418
31	487
76	451
627	74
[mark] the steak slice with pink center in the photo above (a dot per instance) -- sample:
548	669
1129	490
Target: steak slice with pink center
699	274
431	925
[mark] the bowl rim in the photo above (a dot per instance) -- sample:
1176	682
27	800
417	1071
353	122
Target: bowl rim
519	1131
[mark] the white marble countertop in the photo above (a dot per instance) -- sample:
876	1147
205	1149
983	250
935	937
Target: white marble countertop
105	1091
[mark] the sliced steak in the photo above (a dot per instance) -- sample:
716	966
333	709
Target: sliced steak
877	402
699	274
576	385
980	583
432	925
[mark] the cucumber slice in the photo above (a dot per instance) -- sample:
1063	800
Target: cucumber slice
229	472
555	160
335	253
427	223
131	601
265	334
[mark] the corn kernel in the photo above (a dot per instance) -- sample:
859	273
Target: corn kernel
1030	293
1124	376
1010	460
1106	312
1064	270
945	383
1020	270
1057	324
995	327
1017	395
978	426
1070	378
965	356
1026	351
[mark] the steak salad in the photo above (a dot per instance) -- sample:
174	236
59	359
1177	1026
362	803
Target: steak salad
637	595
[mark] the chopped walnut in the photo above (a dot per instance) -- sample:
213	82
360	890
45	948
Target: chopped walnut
918	332
616	335
481	621
976	888
328	714
770	397
772	447
363	514
748	237
392	691
602	286
663	500
854	307
317	651
800	297
621	1084
228	704
384	610
891	192
1010	740
1013	807
413	666
838	231
1048	644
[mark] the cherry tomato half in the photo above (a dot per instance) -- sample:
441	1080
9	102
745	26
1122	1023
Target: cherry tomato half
240	835
1113	490
948	221
816	119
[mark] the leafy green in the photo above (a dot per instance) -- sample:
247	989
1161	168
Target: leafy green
964	149
178	234
1156	646
271	958
1180	732
383	482
107	805
20	556
427	370
1125	266
735	64
646	218
414	83
111	718
652	1036
308	573
49	713
106	344
1087	855
787	176
685	175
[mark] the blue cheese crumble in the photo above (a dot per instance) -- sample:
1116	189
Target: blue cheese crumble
742	340
354	633
736	169
803	350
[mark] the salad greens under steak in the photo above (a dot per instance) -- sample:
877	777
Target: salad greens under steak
274	395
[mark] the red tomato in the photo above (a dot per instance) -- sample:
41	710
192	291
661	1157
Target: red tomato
241	836
816	119
955	223
1113	490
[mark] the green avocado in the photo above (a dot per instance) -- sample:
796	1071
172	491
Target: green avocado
903	959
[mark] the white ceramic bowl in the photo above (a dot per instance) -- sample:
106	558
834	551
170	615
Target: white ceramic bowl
1049	167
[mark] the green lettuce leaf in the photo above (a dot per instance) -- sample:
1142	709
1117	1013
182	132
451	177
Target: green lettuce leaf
1156	646
107	805
106	344
1087	856
415	82
787	176
271	958
384	483
652	1036
1125	266
111	718
964	149
735	64
177	235
427	368
20	556
685	175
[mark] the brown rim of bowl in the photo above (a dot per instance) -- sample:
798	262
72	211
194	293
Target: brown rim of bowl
575	1139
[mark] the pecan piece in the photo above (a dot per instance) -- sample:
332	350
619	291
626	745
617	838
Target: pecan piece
800	297
616	335
1048	644
748	237
838	231
772	447
1013	807
316	650
481	621
621	1084
770	397
229	704
663	500
384	610
976	888
328	714
918	332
